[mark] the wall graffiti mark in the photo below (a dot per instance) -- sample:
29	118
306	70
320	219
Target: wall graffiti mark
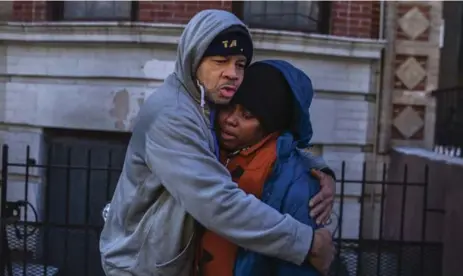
124	108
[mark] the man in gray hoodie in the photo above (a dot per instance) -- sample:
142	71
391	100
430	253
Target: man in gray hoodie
171	176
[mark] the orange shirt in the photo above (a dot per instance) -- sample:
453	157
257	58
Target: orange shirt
250	168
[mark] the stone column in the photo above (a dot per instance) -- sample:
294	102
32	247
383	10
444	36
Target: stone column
411	73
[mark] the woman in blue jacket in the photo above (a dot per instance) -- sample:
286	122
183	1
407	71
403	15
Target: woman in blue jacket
263	133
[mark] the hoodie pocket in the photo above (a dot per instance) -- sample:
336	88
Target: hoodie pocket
179	265
166	239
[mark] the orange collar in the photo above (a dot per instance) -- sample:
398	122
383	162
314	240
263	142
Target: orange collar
250	150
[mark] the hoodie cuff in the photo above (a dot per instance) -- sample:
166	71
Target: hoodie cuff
302	244
329	172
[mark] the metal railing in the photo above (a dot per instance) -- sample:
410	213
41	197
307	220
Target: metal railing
448	138
56	232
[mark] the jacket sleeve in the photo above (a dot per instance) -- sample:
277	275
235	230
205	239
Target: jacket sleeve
316	162
178	153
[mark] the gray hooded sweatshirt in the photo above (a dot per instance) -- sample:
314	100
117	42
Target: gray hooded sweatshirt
171	177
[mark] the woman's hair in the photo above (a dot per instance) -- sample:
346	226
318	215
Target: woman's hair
267	95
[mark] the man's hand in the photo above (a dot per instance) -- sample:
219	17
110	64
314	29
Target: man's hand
321	204
322	253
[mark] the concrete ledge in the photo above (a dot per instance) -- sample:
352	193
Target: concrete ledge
159	33
430	155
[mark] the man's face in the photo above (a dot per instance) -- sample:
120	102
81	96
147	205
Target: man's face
221	76
238	128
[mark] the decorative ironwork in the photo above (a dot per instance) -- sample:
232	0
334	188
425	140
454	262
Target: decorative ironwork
76	186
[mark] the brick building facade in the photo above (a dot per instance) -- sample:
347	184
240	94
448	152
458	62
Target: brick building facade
66	68
352	19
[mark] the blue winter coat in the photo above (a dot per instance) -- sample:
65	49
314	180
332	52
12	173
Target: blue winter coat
290	185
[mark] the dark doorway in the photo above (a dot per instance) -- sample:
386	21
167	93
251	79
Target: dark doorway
86	168
451	54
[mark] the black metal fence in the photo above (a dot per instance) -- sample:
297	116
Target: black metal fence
51	219
448	137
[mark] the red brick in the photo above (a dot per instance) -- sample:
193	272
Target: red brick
355	18
375	19
29	10
176	11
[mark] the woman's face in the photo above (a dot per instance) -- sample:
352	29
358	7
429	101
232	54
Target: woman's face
238	128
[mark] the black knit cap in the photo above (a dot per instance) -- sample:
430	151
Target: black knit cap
267	95
234	40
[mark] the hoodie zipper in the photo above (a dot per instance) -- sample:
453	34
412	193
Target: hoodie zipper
233	154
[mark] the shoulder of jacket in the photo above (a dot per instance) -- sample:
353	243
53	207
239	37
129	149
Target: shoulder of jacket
300	164
181	107
172	100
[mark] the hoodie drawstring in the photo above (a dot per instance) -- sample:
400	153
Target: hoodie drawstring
214	135
203	96
202	103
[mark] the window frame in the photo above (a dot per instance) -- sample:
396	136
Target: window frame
55	12
323	23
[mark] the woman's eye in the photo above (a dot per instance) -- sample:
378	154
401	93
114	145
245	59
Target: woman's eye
220	61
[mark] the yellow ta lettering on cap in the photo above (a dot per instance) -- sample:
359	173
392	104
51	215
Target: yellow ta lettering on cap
227	44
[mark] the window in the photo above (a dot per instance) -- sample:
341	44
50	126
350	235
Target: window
307	16
93	10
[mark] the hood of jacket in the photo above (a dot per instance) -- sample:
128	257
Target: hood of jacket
195	39
302	89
